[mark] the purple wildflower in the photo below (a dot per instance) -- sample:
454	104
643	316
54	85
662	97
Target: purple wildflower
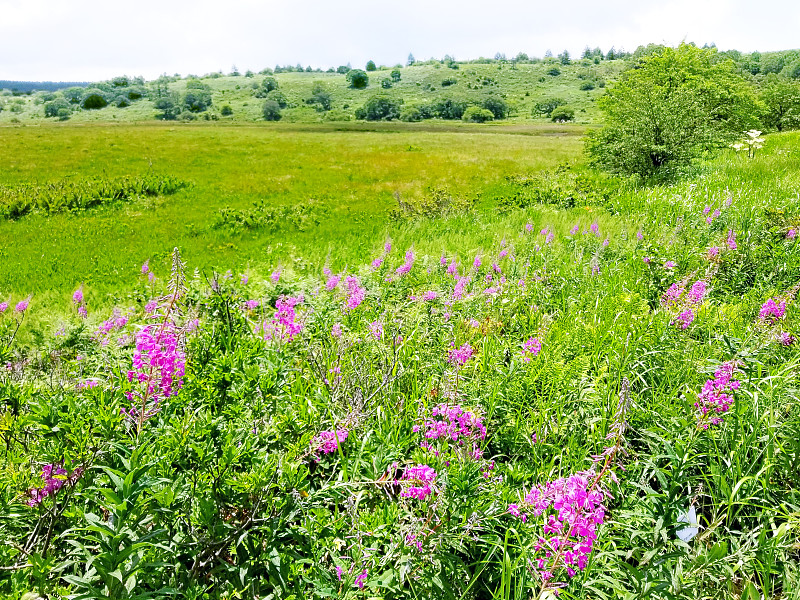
460	356
715	398
531	348
326	442
772	311
417	482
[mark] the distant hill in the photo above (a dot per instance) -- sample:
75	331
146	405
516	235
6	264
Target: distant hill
40	86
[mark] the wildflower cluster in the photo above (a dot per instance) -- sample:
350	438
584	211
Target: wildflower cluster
55	477
417	482
716	396
683	304
327	442
531	348
284	324
459	357
455	424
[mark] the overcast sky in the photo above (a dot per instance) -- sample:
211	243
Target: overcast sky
85	40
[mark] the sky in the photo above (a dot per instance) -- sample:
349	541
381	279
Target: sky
90	40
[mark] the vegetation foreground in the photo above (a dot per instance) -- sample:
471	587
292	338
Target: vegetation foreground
593	405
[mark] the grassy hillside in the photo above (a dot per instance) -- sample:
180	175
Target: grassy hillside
521	85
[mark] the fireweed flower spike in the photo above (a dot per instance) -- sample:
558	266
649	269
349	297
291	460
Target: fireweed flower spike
716	396
22	305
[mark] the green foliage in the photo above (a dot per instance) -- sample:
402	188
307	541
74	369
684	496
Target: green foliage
781	97
268	84
93	99
562	114
357	79
547	106
410	114
320	98
167	107
266	217
226	110
271	111
496	105
673	106
379	108
279	98
51	108
371	66
80	194
395	75
448	81
475	114
197	97
554	71
386	83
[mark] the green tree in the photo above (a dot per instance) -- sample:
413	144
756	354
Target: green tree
267	85
371	66
395	76
271	111
197	97
476	114
562	114
93	98
673	105
781	98
386	83
357	79
410	60
564	58
51	108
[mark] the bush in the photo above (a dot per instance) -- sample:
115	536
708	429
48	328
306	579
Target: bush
395	75
279	97
411	114
226	111
93	99
121	102
371	66
448	81
449	108
321	99
51	108
586	86
197	97
475	114
554	71
357	79
271	111
496	105
386	83
168	108
379	108
268	84
562	114
64	114
337	115
136	92
547	106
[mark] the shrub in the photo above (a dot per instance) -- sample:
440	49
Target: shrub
371	66
167	107
379	108
475	114
226	111
386	83
271	111
410	114
395	75
449	108
586	86
357	79
547	106
51	108
121	101
562	114
268	84
136	92
64	114
448	81
554	71
93	99
337	115
279	97
496	105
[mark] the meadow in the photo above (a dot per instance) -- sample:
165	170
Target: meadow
522	380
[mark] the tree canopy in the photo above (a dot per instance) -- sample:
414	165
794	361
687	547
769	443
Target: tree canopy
670	107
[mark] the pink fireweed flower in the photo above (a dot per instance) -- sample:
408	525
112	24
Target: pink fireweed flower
503	253
531	348
544	231
458	290
786	339
146	267
460	356
406	266
713	252
245	279
528	227
716	213
731	241
355	293
416	482
251	304
550	237
595	228
572	509
151	307
157	368
670	264
684	319
456	425
376	329
716	396
326	442
575	229
336	330
639	235
697	292
3	307
387	247
359	582
772	311
476	264
22	305
443	260
672	296
430	295
275	277
55	477
605	243
285	324
77	296
332	282
496	268
82	312
376	264
791	234
707	209
646	260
